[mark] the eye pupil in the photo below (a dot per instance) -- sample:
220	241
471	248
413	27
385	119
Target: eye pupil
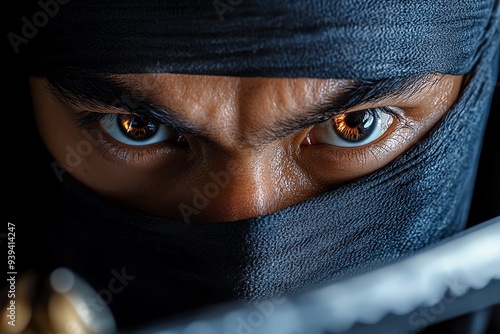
355	125
137	127
354	119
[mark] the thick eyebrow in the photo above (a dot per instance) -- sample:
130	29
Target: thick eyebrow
101	92
110	92
354	94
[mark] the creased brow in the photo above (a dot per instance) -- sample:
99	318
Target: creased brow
352	95
94	93
110	92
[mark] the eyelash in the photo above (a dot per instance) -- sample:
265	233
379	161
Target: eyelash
88	120
361	153
393	111
130	154
396	113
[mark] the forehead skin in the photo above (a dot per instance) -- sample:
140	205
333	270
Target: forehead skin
234	112
239	112
235	115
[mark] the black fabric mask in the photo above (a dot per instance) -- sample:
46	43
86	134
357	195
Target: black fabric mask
421	197
341	39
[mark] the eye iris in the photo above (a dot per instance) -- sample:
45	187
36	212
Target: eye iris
355	125
137	127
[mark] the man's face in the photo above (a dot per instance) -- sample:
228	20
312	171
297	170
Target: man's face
232	148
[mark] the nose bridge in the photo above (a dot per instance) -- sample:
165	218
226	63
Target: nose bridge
243	172
252	185
254	179
248	183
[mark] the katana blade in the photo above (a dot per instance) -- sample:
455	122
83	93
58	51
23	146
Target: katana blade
451	278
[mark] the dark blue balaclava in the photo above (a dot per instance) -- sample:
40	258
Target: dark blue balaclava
418	199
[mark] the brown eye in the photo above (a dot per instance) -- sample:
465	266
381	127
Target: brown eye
136	130
356	125
352	129
137	127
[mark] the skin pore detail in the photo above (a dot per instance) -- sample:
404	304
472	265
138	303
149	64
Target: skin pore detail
247	146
